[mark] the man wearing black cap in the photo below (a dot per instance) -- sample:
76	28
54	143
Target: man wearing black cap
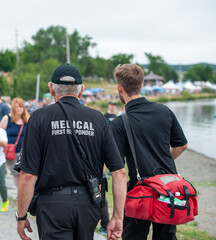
64	151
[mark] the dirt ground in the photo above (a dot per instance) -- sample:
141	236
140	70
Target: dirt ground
201	171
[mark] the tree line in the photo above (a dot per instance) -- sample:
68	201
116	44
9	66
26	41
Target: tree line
48	50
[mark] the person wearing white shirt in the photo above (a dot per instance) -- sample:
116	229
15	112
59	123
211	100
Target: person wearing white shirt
3	188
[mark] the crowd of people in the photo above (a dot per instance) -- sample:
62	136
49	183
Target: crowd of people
66	148
12	121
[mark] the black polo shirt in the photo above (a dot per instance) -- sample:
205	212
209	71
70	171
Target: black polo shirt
47	150
109	116
154	129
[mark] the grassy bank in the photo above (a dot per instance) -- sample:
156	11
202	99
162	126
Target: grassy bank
111	88
102	104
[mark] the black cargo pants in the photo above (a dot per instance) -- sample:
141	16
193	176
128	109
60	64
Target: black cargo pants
137	229
68	214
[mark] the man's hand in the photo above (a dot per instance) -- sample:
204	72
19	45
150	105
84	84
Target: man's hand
21	225
114	229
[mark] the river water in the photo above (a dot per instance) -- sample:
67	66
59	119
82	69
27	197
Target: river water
198	122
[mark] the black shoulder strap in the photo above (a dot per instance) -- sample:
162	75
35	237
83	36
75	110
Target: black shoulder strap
83	154
131	141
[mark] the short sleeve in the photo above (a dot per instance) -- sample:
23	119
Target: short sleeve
6	110
29	160
3	136
177	135
120	137
111	153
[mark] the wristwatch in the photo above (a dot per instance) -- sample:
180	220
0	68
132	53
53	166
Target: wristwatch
20	218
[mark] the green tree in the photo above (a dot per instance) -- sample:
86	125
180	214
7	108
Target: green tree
79	46
121	58
51	43
200	73
160	67
7	60
31	53
26	81
101	67
48	43
3	86
46	70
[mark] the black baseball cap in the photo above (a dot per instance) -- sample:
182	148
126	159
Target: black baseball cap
66	74
112	103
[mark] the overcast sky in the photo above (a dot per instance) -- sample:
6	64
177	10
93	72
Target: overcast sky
181	31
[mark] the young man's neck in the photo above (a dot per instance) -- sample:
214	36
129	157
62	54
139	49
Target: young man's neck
128	99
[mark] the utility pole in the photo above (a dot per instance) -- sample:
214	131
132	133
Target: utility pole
17	52
16	75
67	49
37	89
180	73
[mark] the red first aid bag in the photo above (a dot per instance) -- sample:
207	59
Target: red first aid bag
165	198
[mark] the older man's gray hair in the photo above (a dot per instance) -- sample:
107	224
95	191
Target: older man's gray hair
61	89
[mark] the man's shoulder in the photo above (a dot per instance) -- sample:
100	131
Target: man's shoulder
42	113
117	123
4	105
53	108
44	110
160	107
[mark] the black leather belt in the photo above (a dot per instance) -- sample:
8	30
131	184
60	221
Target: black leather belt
75	189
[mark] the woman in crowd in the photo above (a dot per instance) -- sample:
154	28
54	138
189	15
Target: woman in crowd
12	123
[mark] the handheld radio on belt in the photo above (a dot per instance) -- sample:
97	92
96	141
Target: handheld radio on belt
92	180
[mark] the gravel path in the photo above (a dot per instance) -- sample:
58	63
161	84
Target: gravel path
193	166
200	170
7	219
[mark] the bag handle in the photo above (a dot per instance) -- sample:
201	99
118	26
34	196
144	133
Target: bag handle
131	141
18	137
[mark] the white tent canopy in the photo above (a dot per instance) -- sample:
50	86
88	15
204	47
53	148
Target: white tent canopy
87	93
210	85
170	85
189	86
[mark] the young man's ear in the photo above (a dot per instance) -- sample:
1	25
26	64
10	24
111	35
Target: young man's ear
119	87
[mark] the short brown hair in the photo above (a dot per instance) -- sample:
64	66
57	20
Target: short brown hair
130	77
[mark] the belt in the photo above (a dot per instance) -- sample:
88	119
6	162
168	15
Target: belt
72	190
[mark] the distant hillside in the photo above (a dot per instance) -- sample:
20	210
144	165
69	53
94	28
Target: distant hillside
184	68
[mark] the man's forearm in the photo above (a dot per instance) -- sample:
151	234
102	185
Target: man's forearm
25	192
177	151
119	185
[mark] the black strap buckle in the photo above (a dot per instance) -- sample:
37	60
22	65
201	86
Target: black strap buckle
187	195
171	203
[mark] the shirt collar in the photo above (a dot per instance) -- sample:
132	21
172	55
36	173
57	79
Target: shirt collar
136	102
69	99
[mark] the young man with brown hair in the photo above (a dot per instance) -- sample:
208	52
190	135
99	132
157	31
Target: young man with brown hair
158	140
